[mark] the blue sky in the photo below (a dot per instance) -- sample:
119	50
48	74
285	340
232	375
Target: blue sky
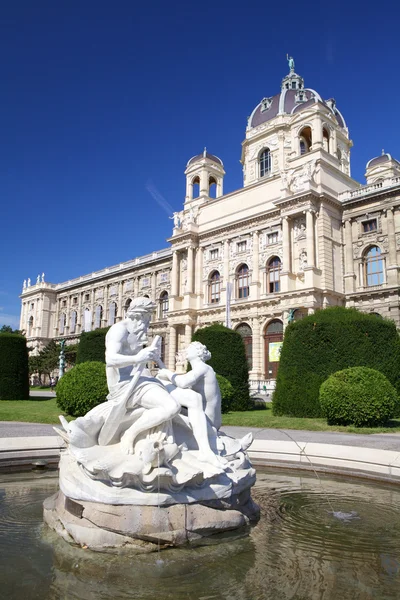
102	101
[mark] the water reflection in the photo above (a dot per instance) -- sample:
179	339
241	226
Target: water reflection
298	551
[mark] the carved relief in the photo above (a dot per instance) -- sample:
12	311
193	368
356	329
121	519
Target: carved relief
302	259
299	228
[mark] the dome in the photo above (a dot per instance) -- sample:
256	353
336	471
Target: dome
378	160
293	98
207	155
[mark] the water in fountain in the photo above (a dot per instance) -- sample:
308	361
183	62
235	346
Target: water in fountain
337	514
296	551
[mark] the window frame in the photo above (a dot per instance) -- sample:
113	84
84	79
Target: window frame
273	268
242	282
214	288
265	163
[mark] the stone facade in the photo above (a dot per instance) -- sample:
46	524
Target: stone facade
299	236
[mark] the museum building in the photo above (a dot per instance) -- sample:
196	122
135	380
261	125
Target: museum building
300	235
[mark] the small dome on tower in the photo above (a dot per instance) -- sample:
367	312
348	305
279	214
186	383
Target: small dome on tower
203	155
378	160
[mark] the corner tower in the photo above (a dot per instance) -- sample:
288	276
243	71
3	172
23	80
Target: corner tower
203	172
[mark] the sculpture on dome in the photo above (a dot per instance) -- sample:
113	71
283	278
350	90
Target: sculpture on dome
290	60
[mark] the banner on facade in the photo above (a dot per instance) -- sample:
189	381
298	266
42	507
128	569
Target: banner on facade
274	351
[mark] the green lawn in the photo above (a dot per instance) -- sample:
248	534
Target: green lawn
39	410
265	419
45	410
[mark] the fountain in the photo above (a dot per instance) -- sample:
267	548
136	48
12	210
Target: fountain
149	468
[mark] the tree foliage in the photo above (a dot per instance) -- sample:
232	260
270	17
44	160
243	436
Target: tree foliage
92	346
47	361
358	396
14	374
328	341
228	358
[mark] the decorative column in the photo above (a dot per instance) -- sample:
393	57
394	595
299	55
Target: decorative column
188	335
220	188
68	320
349	276
203	183
199	276
79	315
189	287
136	286
226	261
56	324
172	348
392	268
255	280
256	339
175	274
286	245
119	312
310	238
105	306
153	286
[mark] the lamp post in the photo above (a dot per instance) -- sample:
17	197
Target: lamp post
61	362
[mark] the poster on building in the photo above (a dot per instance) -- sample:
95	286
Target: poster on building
274	353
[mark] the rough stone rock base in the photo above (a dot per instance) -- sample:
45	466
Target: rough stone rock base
141	529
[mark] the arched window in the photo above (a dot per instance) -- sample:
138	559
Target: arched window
73	321
87	319
373	267
196	187
265	162
274	266
164	305
112	313
305	139
30	326
247	337
62	323
325	139
214	288
243	282
98	316
212	187
127	305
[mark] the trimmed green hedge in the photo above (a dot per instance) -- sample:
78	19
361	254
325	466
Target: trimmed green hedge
358	396
228	358
14	370
92	346
82	388
328	341
227	393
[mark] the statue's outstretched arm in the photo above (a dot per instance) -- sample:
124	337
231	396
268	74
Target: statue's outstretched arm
186	380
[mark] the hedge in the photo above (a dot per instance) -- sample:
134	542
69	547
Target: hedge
92	346
331	340
82	388
358	396
228	358
14	370
227	393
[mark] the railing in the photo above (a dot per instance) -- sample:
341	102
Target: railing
141	260
369	189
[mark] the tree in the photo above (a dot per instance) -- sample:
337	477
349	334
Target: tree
14	379
9	329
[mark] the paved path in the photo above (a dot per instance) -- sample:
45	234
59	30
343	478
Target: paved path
382	441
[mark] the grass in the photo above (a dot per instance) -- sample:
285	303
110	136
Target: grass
45	410
266	420
38	410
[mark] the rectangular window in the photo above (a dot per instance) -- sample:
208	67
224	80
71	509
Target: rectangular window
242	246
86	297
214	254
370	225
272	238
64	303
32	305
163	277
75	300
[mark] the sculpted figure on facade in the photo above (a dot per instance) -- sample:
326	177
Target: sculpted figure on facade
151	431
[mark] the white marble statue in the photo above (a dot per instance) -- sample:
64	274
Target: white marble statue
152	432
177	218
24	285
29	282
38	280
42	277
